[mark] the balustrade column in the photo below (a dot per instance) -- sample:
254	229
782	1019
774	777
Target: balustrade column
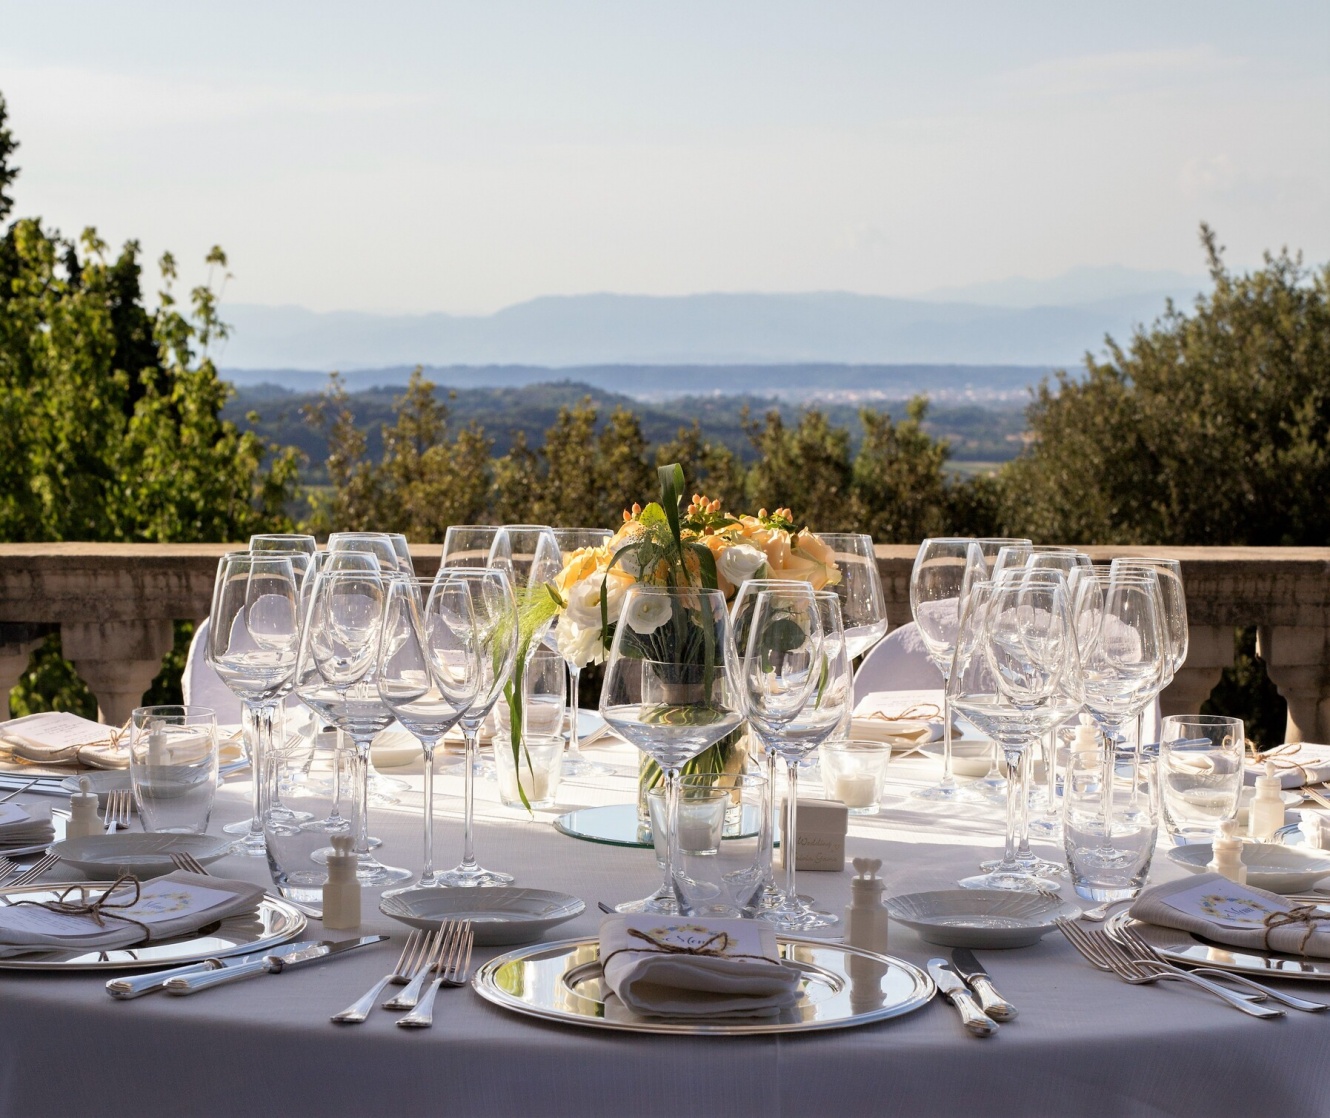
1296	660
1209	652
118	660
14	658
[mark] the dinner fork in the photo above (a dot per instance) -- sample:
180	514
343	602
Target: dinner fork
437	942
1131	941
1105	955
7	869
117	811
454	969
413	957
184	860
33	872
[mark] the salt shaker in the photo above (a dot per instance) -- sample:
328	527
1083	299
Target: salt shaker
1086	735
83	820
1227	859
1267	808
341	892
865	917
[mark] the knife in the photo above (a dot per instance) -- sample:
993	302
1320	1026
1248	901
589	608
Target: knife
990	1001
266	964
136	985
949	982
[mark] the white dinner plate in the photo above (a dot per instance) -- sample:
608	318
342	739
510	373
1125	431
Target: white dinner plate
983	918
143	855
1270	866
101	781
498	916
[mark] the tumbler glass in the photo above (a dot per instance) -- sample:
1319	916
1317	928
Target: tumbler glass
1109	832
1200	761
714	876
173	767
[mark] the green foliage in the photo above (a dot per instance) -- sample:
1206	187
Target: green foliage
8	173
899	491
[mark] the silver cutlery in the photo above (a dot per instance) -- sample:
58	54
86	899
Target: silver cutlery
1103	954
1100	912
8	869
183	860
990	1001
16	791
606	908
136	985
413	957
976	1022
33	872
454	968
435	943
117	810
267	964
1129	939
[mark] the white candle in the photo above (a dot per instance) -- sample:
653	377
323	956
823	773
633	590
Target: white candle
856	789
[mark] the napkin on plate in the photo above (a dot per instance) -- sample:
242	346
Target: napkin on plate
664	966
169	906
25	824
900	717
1297	764
1239	915
56	737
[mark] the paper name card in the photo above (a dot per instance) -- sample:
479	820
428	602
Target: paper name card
1225	904
56	729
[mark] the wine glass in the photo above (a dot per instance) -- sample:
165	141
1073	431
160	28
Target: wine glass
378	544
1174	602
570	541
468	545
668	690
337	677
1014	651
943	571
860	590
494	638
252	642
530	555
796	685
428	672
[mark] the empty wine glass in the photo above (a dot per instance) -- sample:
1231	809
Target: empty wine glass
428	672
862	605
468	545
494	613
668	689
1174	602
796	686
378	544
252	642
571	541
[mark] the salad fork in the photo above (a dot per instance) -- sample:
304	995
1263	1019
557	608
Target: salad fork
33	872
117	811
413	957
453	971
436	946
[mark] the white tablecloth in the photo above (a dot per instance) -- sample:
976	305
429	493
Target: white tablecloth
1084	1044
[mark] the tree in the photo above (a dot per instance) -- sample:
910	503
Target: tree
806	469
900	493
8	173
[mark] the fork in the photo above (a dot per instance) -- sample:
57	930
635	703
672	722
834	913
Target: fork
413	957
184	860
436	944
7	868
1135	946
117	811
34	871
453	971
1106	955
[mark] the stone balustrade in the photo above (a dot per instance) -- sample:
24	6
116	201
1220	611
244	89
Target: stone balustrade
113	605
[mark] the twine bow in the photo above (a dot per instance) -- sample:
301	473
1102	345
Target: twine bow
1307	915
1279	756
706	949
919	712
97	908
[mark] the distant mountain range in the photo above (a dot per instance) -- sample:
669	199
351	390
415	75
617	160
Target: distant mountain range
993	325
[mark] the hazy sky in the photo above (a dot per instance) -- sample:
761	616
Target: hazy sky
465	156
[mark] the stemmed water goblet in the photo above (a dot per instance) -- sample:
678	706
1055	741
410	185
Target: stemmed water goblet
428	672
669	690
494	638
796	687
862	605
252	643
1173	600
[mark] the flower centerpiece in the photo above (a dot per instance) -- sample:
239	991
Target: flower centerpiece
670	544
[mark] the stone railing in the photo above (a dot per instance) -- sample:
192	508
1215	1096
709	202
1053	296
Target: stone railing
113	605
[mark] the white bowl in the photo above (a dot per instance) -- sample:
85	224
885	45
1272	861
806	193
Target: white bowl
1270	865
971	757
498	916
991	918
100	782
394	748
143	855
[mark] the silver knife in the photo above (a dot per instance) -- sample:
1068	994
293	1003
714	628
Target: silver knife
136	985
990	1001
950	983
266	964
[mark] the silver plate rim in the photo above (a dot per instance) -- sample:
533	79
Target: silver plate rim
295	923
484	985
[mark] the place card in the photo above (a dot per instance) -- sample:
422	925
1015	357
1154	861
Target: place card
1224	904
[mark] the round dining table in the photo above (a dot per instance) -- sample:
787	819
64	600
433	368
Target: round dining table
1084	1043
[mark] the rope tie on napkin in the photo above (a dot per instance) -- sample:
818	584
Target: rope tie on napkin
97	908
919	712
1308	915
1279	756
706	948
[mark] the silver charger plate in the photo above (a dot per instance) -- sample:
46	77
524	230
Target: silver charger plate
274	922
1178	946
843	987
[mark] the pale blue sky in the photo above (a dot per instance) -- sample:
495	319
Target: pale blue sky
466	156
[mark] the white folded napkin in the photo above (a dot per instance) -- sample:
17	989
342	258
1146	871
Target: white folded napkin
913	717
1297	764
25	824
1240	915
664	966
86	919
56	737
1315	828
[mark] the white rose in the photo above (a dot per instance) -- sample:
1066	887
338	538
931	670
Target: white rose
579	644
740	562
647	612
584	600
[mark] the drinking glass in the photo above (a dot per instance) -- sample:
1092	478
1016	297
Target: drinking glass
796	684
538	768
854	772
1200	774
1174	604
862	605
297	851
378	544
173	767
713	875
428	672
253	635
571	541
668	688
494	610
943	570
468	545
337	677
1109	829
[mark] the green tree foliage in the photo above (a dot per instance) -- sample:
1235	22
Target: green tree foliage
8	172
806	469
900	492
